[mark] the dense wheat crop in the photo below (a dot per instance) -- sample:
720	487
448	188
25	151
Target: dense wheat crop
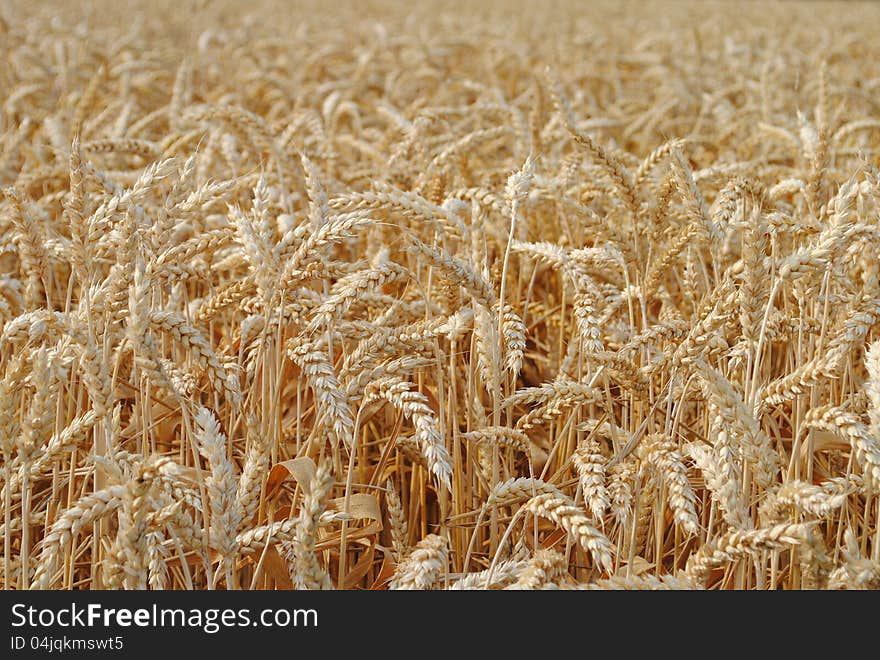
369	296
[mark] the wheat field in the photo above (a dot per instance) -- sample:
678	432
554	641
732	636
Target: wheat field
444	296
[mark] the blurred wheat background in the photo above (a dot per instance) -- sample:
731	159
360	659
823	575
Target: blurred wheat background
443	296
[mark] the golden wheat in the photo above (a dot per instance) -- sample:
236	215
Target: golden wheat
421	297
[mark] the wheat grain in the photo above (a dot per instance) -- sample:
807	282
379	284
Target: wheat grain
593	326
